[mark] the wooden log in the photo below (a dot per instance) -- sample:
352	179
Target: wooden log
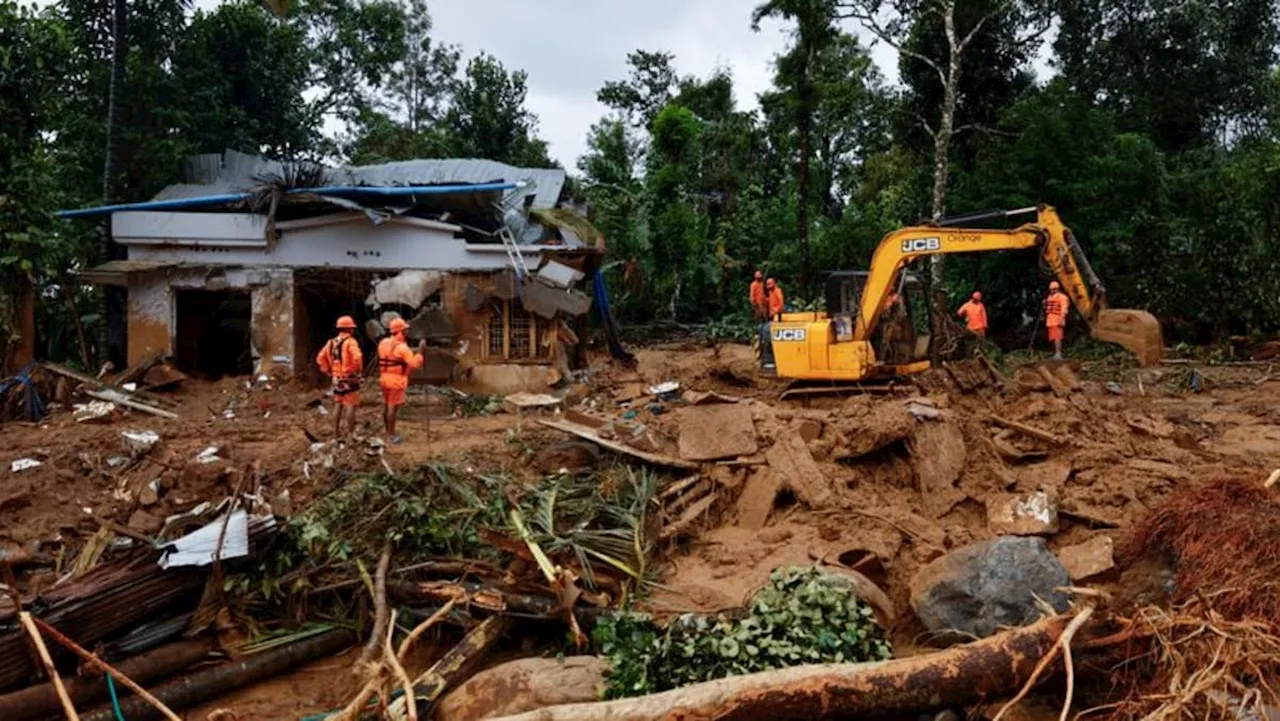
957	677
41	700
1054	383
92	659
201	686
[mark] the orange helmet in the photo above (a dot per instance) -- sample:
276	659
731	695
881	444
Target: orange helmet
346	322
1053	285
977	295
398	325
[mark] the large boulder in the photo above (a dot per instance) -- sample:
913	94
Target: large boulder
525	685
976	590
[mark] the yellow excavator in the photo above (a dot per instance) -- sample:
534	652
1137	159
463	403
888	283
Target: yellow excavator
876	323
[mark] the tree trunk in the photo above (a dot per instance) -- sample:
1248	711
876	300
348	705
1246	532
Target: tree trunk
957	677
941	158
804	124
111	326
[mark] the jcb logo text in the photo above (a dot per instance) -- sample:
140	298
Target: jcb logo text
789	334
920	245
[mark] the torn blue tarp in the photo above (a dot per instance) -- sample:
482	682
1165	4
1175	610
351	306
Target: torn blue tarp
32	405
606	316
205	201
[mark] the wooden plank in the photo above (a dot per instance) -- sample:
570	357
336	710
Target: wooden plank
95	383
1026	429
686	521
114	396
590	434
1054	383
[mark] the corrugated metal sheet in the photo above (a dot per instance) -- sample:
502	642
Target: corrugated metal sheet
236	172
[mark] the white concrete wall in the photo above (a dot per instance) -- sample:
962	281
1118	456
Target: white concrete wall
351	242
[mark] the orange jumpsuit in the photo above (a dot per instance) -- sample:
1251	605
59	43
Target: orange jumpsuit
395	362
341	360
776	303
975	316
1055	314
759	305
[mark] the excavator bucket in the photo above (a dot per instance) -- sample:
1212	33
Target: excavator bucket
1137	330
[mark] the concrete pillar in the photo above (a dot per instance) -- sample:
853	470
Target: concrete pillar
273	342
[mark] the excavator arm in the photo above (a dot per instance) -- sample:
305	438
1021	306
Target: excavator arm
1136	330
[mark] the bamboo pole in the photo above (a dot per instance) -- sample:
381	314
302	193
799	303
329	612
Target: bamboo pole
29	624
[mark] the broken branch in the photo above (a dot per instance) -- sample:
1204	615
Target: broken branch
28	624
397	670
1026	429
379	609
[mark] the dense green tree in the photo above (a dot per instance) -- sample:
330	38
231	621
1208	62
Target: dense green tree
240	76
488	117
1186	73
814	31
651	85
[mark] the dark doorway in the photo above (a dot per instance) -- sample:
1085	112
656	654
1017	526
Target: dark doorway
213	335
324	295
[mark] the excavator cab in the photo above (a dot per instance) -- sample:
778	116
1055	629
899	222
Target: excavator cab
903	335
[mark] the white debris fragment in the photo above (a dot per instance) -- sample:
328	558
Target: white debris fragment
131	387
664	388
23	464
208	455
139	442
199	547
117	461
94	411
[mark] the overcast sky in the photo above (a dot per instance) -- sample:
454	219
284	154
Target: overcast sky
572	47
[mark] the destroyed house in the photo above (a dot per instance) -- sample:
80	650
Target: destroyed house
245	268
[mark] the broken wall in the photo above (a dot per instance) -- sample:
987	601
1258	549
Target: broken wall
153	311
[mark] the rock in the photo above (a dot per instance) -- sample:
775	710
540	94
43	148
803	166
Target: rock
524	685
1090	559
712	432
520	402
809	429
774	536
144	522
568	457
150	493
873	429
976	590
137	443
1033	514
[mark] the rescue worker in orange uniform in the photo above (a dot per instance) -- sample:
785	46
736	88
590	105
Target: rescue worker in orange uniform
975	315
342	360
776	301
759	304
1055	317
395	363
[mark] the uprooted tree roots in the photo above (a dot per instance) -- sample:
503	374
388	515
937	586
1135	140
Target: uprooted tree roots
1222	535
1193	663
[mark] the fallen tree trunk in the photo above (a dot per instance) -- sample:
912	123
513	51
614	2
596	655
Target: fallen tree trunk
198	687
958	676
40	701
456	664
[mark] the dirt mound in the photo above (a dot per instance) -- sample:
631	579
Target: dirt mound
1224	539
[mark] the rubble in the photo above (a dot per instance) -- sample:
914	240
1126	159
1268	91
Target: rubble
715	432
1033	514
1089	560
24	464
790	458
